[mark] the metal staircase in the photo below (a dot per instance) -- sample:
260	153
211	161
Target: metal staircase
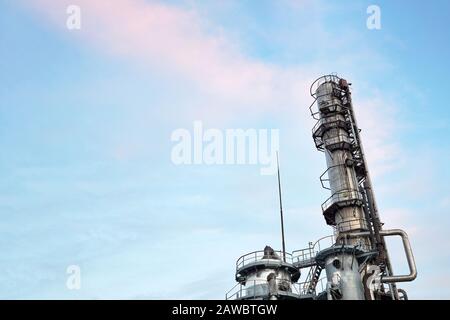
313	279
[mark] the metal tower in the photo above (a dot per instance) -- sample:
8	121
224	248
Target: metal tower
356	261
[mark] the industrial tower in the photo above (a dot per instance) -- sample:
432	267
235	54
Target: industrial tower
355	257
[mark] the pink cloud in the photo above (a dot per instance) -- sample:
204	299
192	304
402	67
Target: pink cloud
162	35
167	38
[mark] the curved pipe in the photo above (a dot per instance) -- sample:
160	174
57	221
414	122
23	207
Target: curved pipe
405	296
408	251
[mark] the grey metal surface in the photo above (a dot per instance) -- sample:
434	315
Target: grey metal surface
266	274
344	276
346	201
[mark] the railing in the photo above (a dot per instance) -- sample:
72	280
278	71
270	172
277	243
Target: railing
321	284
324	242
255	256
341	196
353	224
341	138
309	278
260	289
319	81
323	180
306	256
330	121
335	91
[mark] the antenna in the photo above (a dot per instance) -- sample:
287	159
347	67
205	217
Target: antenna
281	211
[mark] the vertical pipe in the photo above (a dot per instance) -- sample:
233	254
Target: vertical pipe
371	197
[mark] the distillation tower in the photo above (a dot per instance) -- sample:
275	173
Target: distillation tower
355	258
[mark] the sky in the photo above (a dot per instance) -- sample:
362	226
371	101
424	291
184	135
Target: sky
86	118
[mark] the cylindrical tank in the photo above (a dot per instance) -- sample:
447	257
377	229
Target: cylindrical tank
268	282
266	274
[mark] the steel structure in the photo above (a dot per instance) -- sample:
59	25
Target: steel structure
355	258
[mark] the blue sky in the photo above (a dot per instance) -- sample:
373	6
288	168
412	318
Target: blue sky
86	118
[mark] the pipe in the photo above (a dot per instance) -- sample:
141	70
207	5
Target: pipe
409	256
408	251
405	296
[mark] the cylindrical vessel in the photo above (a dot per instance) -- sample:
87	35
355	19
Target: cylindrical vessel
342	268
343	271
266	275
344	208
268	282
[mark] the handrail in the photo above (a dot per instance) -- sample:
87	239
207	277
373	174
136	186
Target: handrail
326	78
257	288
322	240
307	283
322	180
228	292
322	286
326	120
350	194
342	165
258	256
337	139
311	252
304	255
348	224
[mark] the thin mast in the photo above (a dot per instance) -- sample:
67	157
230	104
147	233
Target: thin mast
281	211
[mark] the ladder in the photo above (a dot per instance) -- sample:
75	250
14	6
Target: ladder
313	278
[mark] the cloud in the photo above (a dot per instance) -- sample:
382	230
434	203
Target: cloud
404	218
170	39
377	118
161	35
